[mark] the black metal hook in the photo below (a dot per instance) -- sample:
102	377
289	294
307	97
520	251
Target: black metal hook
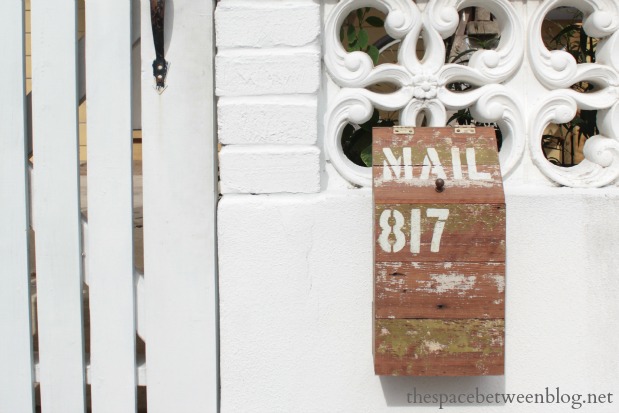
160	65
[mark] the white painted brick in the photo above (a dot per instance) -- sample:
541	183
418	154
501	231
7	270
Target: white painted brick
268	120
245	72
267	24
269	169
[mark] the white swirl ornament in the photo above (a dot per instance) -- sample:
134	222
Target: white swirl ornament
558	69
356	106
601	164
607	51
608	121
485	66
495	103
434	49
356	69
435	112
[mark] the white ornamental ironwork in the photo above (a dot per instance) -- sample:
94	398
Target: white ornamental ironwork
558	70
422	83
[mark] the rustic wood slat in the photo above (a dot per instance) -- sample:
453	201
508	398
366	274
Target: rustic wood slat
407	166
439	252
56	198
180	196
477	28
16	361
439	290
429	347
417	190
471	232
110	207
441	139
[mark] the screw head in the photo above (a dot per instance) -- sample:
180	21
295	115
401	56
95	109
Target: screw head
440	185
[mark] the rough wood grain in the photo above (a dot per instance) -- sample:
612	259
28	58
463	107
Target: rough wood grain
441	139
439	290
439	347
418	190
472	232
439	287
406	166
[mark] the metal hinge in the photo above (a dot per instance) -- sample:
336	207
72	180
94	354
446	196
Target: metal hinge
465	129
403	130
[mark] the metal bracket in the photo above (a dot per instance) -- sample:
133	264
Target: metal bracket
160	65
465	129
403	130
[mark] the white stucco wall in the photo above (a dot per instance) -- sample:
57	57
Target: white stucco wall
295	252
296	304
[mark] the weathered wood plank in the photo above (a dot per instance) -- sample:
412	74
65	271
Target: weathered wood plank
482	14
56	200
439	290
16	361
110	208
439	255
479	28
469	347
416	190
406	167
442	140
439	232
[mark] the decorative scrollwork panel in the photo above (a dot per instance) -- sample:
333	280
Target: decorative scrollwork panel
522	109
558	70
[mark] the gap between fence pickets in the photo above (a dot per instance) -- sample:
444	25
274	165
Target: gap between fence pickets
138	276
140	365
81	83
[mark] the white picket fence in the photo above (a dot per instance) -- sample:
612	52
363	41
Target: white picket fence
172	307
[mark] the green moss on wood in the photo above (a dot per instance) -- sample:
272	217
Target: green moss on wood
418	339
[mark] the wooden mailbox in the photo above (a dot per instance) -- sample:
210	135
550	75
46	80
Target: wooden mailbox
439	252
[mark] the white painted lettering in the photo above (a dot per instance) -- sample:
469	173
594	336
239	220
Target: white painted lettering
455	161
415	231
432	167
392	166
472	163
432	164
442	215
387	229
392	222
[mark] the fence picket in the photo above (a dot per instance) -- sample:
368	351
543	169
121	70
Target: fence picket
179	214
16	380
57	206
113	373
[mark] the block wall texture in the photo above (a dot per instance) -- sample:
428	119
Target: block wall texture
268	71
